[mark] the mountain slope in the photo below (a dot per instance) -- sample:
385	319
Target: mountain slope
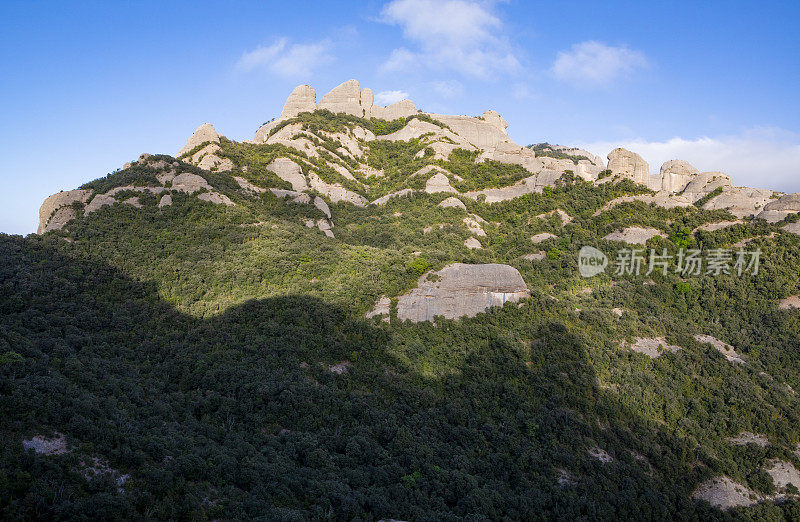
197	324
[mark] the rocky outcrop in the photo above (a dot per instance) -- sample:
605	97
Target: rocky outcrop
481	133
472	243
165	201
385	199
724	348
634	235
335	192
740	201
206	157
302	99
56	211
783	473
793	301
676	174
438	183
189	183
460	290
705	183
723	493
345	98
290	171
747	437
452	202
779	209
529	185
544	236
205	133
627	164
652	347
99	201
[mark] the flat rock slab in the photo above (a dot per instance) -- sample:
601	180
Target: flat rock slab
748	437
722	347
461	290
634	235
783	473
724	493
652	347
793	301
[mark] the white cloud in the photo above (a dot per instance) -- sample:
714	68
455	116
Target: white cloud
448	88
390	97
285	59
520	91
452	34
597	63
759	157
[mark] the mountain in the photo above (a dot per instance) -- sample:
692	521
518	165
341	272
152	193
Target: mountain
372	312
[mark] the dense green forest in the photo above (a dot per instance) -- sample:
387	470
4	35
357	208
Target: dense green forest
192	349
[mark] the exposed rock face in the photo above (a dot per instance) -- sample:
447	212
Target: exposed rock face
600	454
206	158
44	446
472	243
302	99
724	493
99	201
723	348
747	437
215	197
335	192
438	183
651	347
740	201
634	235
479	133
344	98
452	202
290	171
779	209
384	199
629	165
710	227
166	200
536	256
794	228
528	185
462	291
705	183
793	301
189	183
56	210
676	174
544	236
382	307
783	473
205	133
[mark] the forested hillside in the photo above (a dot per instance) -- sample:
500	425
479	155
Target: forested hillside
208	356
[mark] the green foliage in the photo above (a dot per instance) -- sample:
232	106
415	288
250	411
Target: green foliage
545	149
708	197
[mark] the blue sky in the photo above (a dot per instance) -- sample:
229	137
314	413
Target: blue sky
87	86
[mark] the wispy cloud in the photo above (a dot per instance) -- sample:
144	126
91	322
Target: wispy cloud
448	88
457	35
596	63
761	157
390	97
290	60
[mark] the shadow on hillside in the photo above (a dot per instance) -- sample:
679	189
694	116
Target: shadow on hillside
240	415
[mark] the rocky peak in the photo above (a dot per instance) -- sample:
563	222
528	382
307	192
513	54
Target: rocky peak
302	99
204	133
676	174
628	164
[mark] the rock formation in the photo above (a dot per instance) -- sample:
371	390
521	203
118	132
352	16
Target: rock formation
627	164
634	235
675	175
302	99
460	290
724	493
57	209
